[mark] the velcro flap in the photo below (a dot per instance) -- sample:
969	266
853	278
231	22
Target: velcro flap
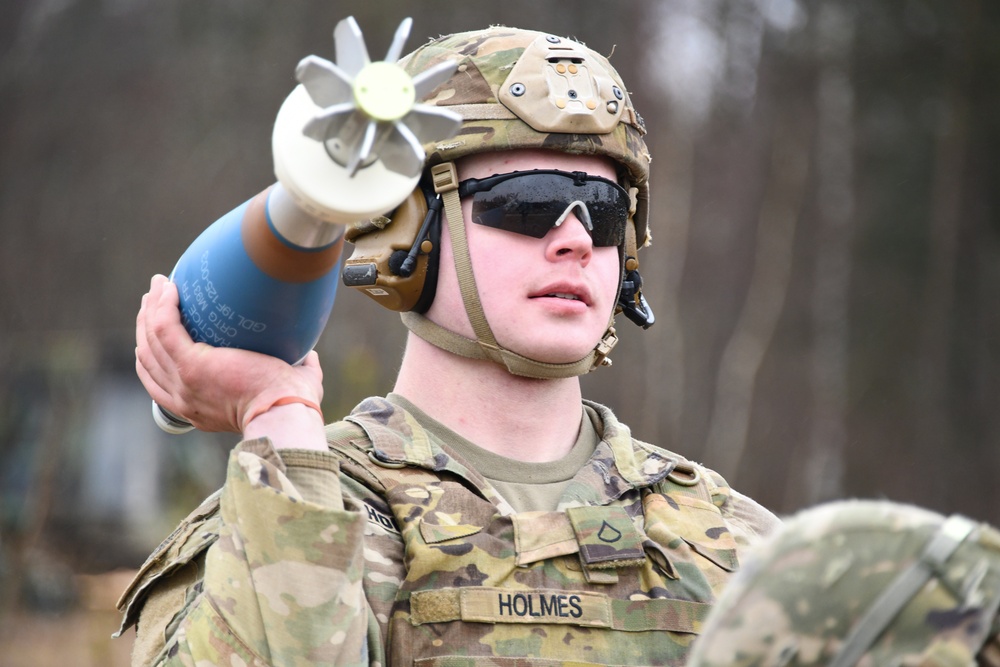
607	537
703	528
438	527
541	535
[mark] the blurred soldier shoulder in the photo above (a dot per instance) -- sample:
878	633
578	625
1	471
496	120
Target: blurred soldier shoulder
861	583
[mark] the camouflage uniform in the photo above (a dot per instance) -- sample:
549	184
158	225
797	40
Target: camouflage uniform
412	558
862	583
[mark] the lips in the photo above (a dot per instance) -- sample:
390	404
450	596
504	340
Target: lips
564	291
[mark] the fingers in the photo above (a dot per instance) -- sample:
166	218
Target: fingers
145	320
167	338
149	350
143	354
158	328
155	391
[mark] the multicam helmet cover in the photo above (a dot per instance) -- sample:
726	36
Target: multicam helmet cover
524	89
860	583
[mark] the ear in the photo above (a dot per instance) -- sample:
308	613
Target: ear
379	266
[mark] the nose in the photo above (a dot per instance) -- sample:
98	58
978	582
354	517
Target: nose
570	238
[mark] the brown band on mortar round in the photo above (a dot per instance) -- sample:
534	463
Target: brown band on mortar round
278	260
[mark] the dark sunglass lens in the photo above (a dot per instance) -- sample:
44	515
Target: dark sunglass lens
489	209
509	207
530	204
609	213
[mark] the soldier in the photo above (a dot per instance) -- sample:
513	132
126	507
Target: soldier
483	512
862	583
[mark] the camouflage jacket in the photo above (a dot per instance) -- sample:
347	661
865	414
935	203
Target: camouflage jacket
415	559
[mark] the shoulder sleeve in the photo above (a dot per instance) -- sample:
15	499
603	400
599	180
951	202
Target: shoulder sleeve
283	581
748	520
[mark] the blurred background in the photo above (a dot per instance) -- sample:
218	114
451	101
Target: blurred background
825	267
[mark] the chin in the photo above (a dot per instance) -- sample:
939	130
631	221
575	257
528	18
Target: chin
555	355
558	342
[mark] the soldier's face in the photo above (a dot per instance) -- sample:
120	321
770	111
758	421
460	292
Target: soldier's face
547	298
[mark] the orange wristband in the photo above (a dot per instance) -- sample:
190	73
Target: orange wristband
284	400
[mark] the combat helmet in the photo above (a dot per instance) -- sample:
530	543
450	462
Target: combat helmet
513	89
860	583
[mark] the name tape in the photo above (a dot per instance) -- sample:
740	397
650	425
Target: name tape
581	608
381	519
497	605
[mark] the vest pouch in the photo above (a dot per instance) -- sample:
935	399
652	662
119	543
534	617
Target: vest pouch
437	527
698	523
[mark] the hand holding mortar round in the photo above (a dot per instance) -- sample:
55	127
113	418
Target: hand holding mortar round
347	146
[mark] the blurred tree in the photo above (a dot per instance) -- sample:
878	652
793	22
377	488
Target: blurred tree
822	458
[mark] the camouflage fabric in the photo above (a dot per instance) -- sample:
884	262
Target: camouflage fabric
866	583
424	562
486	59
281	579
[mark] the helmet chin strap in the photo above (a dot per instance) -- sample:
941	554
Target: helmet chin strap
485	345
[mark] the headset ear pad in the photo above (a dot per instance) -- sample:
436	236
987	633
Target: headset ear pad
395	258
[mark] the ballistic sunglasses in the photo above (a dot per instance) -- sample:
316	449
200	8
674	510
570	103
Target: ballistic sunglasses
533	202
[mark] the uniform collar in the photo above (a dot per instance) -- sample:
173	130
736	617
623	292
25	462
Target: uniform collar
618	465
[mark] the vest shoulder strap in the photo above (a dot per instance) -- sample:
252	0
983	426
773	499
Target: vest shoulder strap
693	479
350	442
